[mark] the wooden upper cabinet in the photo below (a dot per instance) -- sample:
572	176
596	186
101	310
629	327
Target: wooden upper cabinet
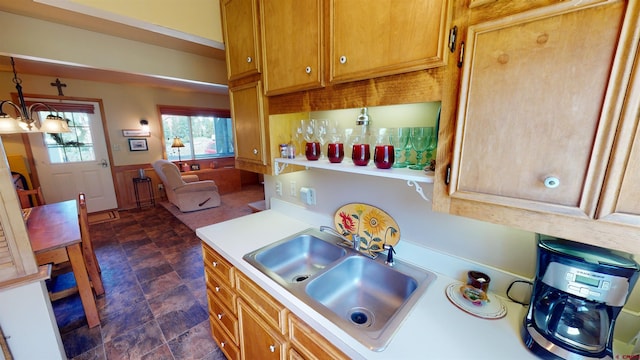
534	128
247	109
385	37
241	37
620	201
292	44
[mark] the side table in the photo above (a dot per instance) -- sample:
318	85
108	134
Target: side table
137	182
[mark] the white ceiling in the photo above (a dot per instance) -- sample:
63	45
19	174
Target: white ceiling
45	67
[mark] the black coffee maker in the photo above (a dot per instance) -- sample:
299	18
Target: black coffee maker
577	295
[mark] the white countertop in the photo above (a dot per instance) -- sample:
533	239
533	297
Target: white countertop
434	329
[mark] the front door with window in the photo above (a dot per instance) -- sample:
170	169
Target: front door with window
75	162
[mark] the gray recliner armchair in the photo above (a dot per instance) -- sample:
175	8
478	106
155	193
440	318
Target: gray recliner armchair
188	193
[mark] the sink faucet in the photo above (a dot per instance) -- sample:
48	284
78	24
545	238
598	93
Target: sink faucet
355	243
390	252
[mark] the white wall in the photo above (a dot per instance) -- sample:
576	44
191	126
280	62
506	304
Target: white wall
124	106
69	45
498	246
29	324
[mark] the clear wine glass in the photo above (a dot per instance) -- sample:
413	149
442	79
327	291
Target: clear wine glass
308	130
418	140
297	135
399	138
334	132
378	136
321	133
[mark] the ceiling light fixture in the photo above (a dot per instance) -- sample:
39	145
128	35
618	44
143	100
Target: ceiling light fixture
25	120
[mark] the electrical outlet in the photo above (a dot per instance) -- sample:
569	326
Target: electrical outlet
293	190
279	188
308	195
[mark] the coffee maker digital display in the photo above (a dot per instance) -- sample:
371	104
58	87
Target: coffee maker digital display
587	281
577	295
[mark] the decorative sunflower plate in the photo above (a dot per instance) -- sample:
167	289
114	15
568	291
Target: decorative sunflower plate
374	226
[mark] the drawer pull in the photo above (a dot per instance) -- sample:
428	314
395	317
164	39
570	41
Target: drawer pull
217	288
307	70
343	59
249	59
551	182
272	348
215	264
222	344
220	316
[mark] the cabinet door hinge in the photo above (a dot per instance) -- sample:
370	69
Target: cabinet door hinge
447	177
461	56
453	33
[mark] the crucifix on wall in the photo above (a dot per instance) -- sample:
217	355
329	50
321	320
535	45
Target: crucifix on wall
59	85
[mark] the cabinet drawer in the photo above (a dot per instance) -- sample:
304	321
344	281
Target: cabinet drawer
223	316
272	311
309	344
218	264
221	290
226	345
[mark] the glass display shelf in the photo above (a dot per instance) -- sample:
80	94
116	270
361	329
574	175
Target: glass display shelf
412	177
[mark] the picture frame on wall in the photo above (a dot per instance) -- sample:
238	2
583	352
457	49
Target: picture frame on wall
138	145
135	132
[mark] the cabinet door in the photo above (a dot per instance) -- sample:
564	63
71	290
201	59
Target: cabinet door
257	339
240	28
384	37
248	122
620	199
292	43
531	129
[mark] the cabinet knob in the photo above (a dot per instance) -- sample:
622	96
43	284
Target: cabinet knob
215	264
217	288
343	59
307	69
222	344
551	182
255	151
220	316
249	59
272	348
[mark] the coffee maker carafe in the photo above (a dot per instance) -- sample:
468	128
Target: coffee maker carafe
577	295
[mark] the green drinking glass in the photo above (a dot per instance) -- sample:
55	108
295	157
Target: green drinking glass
399	138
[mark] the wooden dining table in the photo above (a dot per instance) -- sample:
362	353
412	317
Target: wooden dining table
54	233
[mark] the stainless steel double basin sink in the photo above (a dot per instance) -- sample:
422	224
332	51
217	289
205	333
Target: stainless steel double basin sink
364	297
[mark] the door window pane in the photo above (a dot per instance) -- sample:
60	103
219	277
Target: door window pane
76	146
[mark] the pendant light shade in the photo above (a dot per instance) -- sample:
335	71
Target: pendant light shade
26	120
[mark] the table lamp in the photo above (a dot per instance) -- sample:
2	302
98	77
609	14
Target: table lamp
177	143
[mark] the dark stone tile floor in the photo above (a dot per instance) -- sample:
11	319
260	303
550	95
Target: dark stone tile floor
155	304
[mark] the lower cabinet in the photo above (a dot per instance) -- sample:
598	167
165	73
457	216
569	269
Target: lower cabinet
258	340
247	323
306	343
